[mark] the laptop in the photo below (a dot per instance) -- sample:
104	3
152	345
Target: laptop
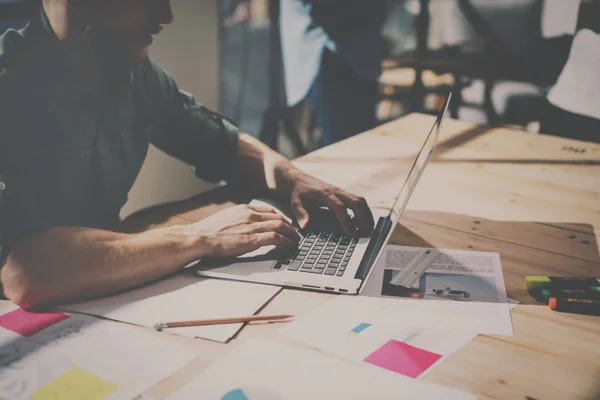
326	259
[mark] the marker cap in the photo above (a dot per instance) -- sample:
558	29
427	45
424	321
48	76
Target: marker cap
537	282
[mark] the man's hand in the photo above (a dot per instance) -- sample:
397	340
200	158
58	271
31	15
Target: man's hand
241	229
74	263
258	167
308	191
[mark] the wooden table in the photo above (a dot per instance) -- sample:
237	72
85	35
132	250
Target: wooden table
532	198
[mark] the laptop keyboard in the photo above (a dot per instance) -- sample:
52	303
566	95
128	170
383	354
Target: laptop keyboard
321	253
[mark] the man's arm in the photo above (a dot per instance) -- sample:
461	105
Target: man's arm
208	141
69	263
257	167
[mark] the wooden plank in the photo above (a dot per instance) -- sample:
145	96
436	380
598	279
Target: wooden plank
499	142
550	238
473	183
528	191
565	174
517	184
542	361
586	229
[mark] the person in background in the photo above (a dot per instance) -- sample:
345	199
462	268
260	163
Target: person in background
332	54
80	102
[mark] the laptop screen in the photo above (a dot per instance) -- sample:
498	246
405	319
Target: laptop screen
369	286
418	166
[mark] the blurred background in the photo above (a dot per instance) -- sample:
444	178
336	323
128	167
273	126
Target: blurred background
300	74
499	57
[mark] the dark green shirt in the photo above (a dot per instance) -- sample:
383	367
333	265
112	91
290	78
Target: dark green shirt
69	152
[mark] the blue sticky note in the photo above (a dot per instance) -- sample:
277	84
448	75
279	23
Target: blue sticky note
236	394
360	327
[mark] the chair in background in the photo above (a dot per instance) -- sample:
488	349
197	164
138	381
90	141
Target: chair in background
490	56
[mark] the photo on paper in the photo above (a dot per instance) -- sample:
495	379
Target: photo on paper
437	274
442	286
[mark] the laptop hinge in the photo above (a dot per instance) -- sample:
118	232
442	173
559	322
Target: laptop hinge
380	232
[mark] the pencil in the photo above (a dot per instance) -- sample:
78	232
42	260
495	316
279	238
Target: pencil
203	322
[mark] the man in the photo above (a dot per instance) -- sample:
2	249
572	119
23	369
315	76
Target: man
80	101
332	53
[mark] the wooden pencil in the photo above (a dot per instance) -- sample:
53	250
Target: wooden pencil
220	321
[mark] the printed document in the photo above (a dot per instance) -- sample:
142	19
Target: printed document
453	275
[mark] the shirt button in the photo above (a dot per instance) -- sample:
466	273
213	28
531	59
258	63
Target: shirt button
2	187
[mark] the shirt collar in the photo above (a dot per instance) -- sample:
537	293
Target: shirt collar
45	45
52	60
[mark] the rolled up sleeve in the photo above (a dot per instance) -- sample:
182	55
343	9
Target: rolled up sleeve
189	131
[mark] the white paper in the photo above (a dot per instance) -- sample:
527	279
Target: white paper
266	370
129	360
483	318
446	325
336	336
460	288
455	275
183	297
578	87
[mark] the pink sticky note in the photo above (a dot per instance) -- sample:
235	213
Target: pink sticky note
27	323
402	358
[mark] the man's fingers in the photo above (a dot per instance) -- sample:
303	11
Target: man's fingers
260	208
340	211
265	213
272	238
280	227
362	213
300	212
259	217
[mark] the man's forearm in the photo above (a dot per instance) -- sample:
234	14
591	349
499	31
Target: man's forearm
67	263
257	168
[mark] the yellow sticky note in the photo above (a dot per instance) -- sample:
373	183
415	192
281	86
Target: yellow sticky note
75	384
